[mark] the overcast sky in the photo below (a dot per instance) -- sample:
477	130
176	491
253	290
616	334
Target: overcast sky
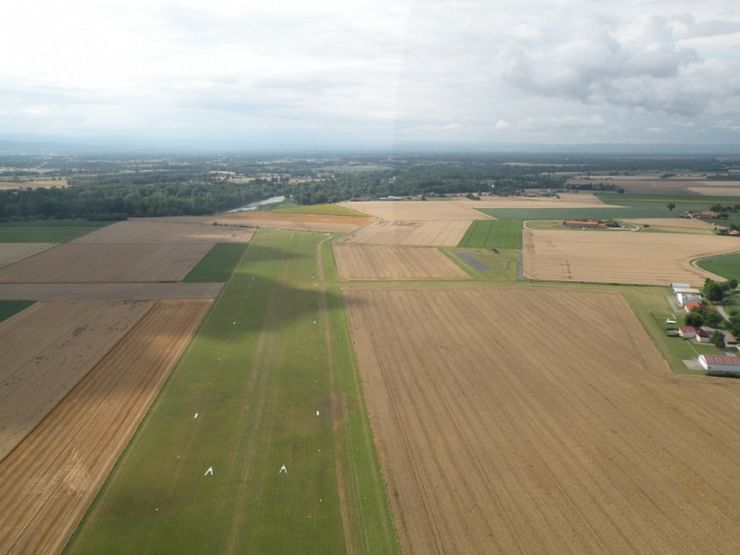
373	73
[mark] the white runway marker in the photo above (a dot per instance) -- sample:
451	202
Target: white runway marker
317	413
283	470
209	472
196	415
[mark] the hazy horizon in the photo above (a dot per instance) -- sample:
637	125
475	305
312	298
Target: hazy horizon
374	75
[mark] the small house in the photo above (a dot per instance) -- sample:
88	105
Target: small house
687	332
703	335
693	305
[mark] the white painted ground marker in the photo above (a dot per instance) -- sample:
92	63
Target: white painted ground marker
283	470
209	472
196	415
317	413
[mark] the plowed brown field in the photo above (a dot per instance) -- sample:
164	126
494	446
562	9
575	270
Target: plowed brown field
542	421
12	252
46	350
440	234
620	256
109	262
49	480
385	262
170	230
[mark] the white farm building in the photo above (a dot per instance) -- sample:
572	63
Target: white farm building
720	364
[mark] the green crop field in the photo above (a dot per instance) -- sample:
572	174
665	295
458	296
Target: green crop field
218	264
617	207
8	308
321	209
725	265
47	231
274	349
488	234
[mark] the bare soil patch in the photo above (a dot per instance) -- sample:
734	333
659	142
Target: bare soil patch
620	256
79	262
13	252
46	350
50	479
422	233
389	262
170	230
502	434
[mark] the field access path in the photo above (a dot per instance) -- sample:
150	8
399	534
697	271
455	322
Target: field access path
270	380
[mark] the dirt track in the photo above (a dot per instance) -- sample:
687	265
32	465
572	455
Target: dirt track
424	233
559	430
46	350
12	252
620	256
169	230
49	480
78	262
108	291
387	262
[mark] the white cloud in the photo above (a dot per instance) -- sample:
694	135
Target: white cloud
362	71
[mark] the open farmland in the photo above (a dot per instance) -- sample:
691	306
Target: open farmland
78	262
32	184
300	222
620	256
50	479
718	189
273	351
46	350
418	210
500	234
725	265
420	233
13	252
109	291
51	231
524	435
388	262
563	200
685	225
168	230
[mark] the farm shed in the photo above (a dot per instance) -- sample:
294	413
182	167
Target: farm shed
687	332
720	364
677	287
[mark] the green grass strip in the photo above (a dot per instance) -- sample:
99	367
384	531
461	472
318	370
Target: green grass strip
218	264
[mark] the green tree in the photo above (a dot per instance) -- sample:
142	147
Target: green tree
694	318
712	291
718	339
671	206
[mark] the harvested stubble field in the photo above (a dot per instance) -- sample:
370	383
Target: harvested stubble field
731	189
421	233
418	210
524	435
169	230
389	262
78	262
301	222
32	184
13	252
46	350
620	256
565	200
49	480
